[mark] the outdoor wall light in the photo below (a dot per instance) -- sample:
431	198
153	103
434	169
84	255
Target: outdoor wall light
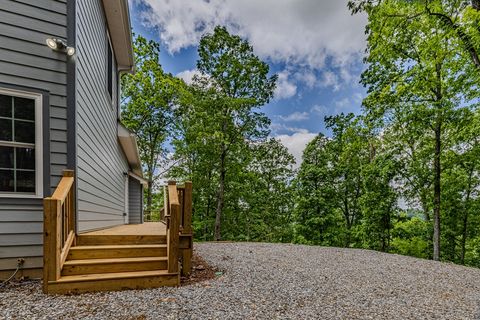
60	45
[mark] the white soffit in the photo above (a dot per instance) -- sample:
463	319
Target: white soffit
118	21
128	142
140	179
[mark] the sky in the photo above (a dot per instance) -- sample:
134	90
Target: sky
315	47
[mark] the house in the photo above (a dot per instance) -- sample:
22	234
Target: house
70	173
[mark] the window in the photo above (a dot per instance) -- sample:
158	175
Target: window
109	69
20	143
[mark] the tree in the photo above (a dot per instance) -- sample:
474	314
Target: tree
269	191
317	221
148	99
461	18
418	73
235	82
349	153
378	201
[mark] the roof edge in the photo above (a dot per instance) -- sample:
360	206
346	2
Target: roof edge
128	142
117	15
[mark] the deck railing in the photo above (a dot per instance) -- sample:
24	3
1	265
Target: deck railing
58	227
154	215
178	216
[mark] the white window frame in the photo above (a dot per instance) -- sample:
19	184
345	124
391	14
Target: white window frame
38	143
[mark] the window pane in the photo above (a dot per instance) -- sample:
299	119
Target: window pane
24	131
6	180
25	181
24	108
5	130
25	158
5	106
6	157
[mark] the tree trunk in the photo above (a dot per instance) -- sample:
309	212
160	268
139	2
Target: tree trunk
464	237
436	193
347	219
437	164
465	218
220	194
150	172
149	196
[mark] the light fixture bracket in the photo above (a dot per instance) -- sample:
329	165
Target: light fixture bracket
60	45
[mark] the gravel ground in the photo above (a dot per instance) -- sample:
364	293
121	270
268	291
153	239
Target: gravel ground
276	281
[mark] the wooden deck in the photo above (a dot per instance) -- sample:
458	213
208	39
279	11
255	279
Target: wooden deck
147	228
123	257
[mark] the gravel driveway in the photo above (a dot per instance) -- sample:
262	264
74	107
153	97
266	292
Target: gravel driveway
278	281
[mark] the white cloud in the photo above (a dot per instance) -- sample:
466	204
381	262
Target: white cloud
306	77
296	116
285	89
296	143
358	98
342	105
319	109
303	32
280	128
187	75
330	79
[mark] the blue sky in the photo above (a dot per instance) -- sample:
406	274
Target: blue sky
315	47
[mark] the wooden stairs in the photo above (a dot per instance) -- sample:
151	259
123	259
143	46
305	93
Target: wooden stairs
135	257
107	263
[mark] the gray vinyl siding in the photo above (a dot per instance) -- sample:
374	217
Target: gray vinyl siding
135	203
26	61
100	161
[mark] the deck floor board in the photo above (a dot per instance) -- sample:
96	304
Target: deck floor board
146	228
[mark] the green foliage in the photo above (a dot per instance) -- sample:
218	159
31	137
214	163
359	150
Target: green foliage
240	178
148	97
410	237
402	177
422	76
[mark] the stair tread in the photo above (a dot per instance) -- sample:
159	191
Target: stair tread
113	247
113	276
113	260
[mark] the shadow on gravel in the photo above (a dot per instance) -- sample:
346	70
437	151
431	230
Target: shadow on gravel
201	271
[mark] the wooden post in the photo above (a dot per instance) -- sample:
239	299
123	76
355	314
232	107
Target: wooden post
51	240
187	228
173	238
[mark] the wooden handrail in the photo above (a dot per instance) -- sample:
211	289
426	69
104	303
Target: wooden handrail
63	188
58	228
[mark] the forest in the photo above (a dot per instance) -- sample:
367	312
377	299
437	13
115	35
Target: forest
402	176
